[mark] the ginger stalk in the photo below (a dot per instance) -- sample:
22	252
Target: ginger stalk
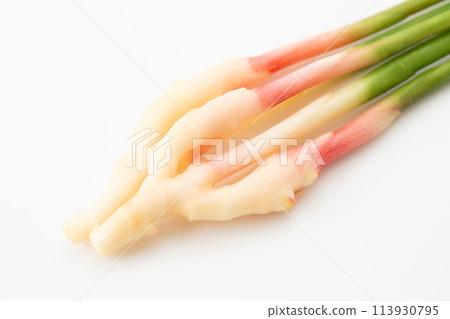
186	193
185	95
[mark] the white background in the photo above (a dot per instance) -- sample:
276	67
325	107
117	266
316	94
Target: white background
70	97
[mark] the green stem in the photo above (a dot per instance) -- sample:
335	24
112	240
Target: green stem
333	145
404	66
389	17
350	60
408	24
289	54
421	85
401	40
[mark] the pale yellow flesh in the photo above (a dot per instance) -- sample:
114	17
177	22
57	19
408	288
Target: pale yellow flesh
214	120
183	96
191	194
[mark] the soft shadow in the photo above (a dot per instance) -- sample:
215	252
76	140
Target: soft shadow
174	229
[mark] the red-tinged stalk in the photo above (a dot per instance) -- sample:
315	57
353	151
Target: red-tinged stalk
335	104
335	144
273	187
222	115
162	197
303	49
185	95
372	122
351	60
